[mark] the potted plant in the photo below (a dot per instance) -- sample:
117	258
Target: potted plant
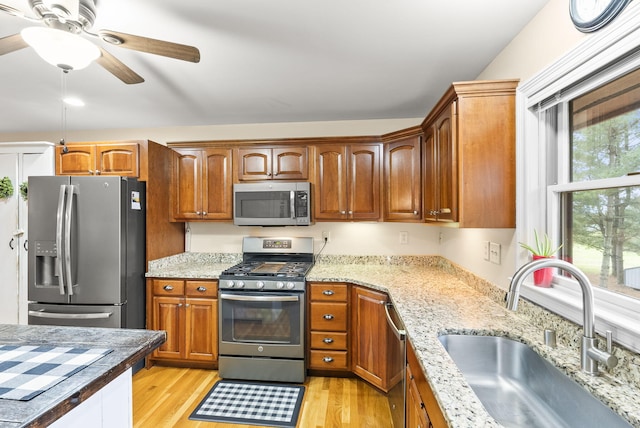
543	249
6	188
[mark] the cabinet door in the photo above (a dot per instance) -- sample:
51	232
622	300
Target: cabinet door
330	198
447	166
201	329
76	159
169	315
10	242
254	164
117	159
186	193
416	414
430	175
403	180
371	336
290	163
364	182
217	184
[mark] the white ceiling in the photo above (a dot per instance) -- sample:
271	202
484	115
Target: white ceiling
265	61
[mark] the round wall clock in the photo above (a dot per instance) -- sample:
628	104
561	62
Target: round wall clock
591	15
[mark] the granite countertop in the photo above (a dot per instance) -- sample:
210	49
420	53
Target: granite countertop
435	297
129	347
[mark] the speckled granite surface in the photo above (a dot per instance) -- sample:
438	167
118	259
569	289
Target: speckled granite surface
434	297
129	347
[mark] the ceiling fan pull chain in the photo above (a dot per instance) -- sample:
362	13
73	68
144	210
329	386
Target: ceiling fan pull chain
63	118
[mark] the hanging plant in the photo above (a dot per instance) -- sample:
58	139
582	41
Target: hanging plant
24	189
6	188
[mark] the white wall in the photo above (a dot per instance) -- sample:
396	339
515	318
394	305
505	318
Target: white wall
547	37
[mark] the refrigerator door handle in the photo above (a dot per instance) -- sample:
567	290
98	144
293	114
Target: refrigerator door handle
59	228
67	237
57	315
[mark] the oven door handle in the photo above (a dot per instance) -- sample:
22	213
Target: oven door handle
244	298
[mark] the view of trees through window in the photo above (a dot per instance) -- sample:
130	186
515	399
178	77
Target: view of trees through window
602	225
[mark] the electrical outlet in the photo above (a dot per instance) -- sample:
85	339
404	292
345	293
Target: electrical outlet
326	236
485	250
404	238
494	253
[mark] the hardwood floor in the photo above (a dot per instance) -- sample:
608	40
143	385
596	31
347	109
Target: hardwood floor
166	396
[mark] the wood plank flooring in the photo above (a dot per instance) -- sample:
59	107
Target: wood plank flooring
166	396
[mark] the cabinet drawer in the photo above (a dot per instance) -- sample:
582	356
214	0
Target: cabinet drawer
328	340
168	287
328	316
202	288
329	292
328	360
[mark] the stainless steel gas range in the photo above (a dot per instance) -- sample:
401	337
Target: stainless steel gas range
262	305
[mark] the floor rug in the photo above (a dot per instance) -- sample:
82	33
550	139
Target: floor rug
251	403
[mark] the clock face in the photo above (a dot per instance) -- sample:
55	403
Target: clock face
591	15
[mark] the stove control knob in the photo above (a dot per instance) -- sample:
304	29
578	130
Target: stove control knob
229	284
279	284
240	284
290	285
260	284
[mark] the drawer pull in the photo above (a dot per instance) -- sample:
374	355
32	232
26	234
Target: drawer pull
201	289
328	317
327	340
328	292
327	359
168	287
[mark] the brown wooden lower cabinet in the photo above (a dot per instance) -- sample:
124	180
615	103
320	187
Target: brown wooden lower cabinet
188	311
422	409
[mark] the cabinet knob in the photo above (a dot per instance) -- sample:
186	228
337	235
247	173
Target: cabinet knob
198	212
415	212
350	212
204	213
343	212
97	172
179	305
201	289
187	305
327	340
168	287
328	292
90	172
327	359
328	317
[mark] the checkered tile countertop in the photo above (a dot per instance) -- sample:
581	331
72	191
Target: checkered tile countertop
69	382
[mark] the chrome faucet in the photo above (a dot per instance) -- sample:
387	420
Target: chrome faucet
590	355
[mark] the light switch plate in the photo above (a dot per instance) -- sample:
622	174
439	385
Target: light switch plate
494	253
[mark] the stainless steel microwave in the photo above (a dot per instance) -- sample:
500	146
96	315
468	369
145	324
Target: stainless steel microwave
272	204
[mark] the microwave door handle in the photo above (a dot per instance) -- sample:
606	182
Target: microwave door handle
293	203
67	237
59	231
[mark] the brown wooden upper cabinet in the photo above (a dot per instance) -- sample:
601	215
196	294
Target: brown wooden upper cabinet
202	187
98	159
403	179
469	156
347	182
272	163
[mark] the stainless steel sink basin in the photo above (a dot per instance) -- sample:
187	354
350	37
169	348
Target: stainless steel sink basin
519	388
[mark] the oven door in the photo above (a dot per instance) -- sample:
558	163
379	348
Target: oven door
261	324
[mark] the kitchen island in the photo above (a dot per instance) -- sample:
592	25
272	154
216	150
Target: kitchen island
434	297
128	347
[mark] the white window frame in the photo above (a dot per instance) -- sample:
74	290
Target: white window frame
538	193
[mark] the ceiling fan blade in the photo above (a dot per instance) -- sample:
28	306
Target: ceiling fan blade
154	46
12	43
15	12
116	67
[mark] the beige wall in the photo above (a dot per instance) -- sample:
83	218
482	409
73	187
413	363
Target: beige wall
549	35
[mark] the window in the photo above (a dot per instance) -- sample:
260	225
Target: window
600	225
578	159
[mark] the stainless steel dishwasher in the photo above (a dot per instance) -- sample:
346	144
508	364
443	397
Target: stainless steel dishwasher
396	395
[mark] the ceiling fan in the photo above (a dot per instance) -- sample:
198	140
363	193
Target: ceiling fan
73	18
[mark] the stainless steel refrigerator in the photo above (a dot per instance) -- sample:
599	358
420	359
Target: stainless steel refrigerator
86	251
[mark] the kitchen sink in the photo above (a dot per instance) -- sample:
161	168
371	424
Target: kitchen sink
519	388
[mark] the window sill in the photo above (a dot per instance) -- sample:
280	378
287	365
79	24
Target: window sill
565	299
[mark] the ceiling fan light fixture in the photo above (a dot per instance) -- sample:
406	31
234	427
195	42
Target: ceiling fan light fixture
60	48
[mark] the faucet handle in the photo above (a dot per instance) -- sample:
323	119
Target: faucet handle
609	335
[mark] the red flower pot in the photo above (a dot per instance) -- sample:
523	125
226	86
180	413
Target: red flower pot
543	277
